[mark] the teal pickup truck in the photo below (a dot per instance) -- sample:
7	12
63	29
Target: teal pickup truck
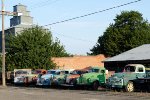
95	78
126	80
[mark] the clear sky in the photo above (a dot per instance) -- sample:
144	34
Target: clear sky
80	35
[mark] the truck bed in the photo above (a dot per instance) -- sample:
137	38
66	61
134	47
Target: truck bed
143	83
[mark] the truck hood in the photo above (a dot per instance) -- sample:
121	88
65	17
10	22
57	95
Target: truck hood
73	76
122	74
32	75
18	77
60	76
91	73
119	75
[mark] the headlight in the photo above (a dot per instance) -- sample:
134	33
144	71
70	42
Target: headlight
88	80
47	79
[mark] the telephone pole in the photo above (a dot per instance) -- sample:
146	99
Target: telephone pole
3	47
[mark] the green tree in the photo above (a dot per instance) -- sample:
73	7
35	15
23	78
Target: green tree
128	31
33	48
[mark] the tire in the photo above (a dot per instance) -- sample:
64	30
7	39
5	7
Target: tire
118	89
26	81
73	82
130	87
95	85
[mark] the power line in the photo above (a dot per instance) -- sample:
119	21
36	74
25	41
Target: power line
66	36
92	13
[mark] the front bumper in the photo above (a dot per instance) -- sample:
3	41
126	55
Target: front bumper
18	80
115	83
44	82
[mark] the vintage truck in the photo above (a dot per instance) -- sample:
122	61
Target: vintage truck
61	78
70	79
31	79
20	74
95	77
126	80
45	80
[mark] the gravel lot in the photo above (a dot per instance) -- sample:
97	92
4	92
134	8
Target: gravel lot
31	93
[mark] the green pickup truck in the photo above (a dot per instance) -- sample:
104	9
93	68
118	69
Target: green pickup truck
95	78
126	80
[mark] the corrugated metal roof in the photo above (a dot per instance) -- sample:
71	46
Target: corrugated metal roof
138	53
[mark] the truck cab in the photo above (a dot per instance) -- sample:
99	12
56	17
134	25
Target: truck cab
95	77
126	79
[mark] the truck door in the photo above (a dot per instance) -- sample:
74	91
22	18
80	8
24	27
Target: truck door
81	76
102	76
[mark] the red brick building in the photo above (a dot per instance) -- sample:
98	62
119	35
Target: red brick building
79	62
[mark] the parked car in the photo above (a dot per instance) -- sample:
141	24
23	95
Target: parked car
126	80
31	79
94	78
45	80
19	75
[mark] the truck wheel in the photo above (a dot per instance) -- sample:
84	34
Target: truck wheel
26	81
129	87
118	90
73	82
95	85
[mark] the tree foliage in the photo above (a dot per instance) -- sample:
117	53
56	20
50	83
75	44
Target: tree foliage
128	31
33	48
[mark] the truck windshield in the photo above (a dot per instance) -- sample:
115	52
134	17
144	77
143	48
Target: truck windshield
78	72
57	73
21	72
94	70
66	72
130	69
51	72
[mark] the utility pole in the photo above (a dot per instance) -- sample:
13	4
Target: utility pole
3	46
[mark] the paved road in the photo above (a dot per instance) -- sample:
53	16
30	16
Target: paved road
23	93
